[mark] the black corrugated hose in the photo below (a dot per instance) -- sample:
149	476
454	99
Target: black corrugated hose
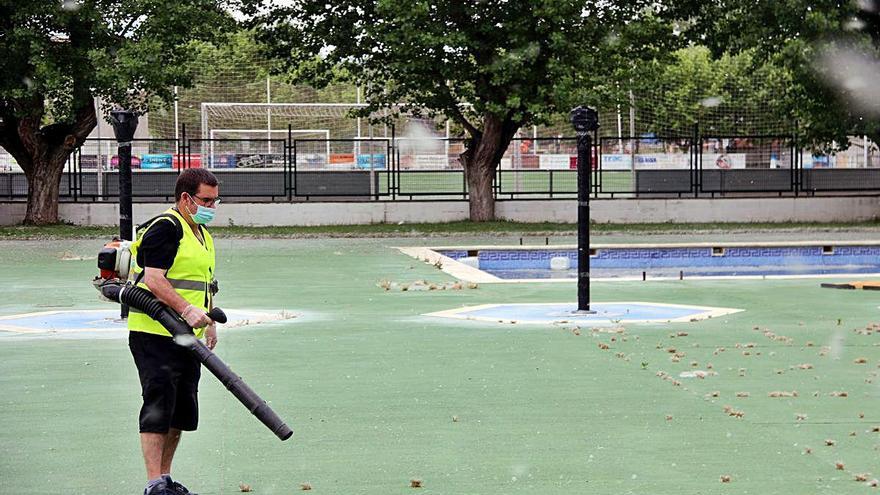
144	300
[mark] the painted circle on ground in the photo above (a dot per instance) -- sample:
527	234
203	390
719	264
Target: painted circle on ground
107	322
605	313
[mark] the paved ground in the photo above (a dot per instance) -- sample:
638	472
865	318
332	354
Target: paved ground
379	395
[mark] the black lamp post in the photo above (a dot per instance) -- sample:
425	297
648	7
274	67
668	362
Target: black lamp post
124	124
585	121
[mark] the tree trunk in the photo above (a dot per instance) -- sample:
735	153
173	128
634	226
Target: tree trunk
42	152
480	175
43	188
480	160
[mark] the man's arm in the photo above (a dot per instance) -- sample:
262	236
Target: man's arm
155	280
162	289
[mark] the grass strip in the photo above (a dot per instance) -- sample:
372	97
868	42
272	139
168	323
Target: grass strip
66	231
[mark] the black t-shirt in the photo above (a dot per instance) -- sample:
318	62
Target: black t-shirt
159	245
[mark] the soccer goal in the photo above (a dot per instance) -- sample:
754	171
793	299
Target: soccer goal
336	118
274	137
270	134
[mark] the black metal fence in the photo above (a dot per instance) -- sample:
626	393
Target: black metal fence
417	169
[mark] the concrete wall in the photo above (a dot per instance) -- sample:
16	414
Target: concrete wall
846	209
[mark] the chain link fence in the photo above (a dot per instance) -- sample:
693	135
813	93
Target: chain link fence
404	169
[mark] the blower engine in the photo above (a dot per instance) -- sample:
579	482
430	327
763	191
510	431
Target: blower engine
114	264
114	260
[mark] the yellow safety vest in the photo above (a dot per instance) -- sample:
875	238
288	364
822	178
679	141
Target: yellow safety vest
191	274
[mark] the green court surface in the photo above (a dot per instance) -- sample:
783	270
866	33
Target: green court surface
379	395
535	182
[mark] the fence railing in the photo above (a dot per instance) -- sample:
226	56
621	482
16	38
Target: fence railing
399	169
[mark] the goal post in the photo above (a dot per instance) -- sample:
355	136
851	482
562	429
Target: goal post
271	135
326	135
333	117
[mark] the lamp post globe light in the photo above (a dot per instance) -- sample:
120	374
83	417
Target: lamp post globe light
125	124
584	119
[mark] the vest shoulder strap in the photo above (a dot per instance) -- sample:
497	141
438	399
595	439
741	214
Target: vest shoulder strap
142	227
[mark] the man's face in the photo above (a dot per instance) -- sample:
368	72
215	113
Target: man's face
207	196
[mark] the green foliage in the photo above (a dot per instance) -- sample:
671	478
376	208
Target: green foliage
731	94
57	56
233	68
791	36
123	51
490	66
520	62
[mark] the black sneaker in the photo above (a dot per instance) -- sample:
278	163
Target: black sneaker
174	488
160	488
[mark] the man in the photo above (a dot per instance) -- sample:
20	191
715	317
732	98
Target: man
174	256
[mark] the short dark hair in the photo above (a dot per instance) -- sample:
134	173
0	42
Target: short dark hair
190	179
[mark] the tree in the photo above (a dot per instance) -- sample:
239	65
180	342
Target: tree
232	68
730	94
491	66
59	55
815	45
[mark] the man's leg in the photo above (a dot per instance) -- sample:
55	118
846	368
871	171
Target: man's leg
153	445
186	405
153	356
172	438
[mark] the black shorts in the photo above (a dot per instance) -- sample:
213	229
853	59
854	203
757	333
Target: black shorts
169	376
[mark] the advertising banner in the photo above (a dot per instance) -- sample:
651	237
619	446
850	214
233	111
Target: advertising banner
670	161
431	162
616	161
723	161
556	162
662	161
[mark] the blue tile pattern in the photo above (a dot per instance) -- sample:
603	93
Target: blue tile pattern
757	260
523	258
456	255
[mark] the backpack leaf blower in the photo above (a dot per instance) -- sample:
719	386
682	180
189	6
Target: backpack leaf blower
116	290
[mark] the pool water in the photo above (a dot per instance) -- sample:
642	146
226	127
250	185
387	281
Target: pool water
673	261
684	272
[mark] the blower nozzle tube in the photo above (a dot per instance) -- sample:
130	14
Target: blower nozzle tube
144	300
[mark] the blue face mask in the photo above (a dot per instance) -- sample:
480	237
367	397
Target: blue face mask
203	214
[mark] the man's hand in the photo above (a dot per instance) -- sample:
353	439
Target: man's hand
196	317
211	336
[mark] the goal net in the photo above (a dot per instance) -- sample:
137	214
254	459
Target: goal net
333	119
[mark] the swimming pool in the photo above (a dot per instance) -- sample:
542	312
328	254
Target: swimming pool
672	260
